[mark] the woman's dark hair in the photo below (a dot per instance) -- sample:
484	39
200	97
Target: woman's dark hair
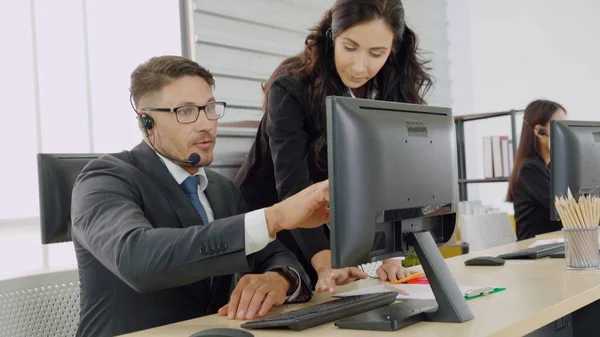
538	112
403	78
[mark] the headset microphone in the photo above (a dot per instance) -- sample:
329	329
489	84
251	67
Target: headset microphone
192	161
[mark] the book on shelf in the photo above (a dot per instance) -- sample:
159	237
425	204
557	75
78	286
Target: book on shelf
498	157
475	207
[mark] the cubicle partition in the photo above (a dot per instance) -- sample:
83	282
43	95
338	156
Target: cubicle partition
40	303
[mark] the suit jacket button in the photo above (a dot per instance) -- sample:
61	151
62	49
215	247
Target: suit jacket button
215	249
209	250
222	246
203	250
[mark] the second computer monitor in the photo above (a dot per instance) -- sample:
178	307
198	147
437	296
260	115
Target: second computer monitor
574	160
392	171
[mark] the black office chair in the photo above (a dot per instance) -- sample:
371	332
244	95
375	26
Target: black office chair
56	176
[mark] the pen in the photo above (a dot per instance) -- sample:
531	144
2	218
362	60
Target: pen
408	278
398	290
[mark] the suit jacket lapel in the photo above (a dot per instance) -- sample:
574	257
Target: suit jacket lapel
148	162
214	193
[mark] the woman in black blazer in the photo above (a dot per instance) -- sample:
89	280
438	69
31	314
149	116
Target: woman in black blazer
360	48
529	184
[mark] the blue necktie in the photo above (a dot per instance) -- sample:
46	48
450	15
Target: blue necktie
190	187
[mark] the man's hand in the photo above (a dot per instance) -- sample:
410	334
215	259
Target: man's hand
330	278
308	208
256	294
392	270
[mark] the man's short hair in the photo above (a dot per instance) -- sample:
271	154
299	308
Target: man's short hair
159	71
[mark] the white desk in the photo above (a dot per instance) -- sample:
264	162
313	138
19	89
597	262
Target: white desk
538	293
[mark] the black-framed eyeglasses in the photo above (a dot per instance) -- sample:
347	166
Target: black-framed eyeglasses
189	113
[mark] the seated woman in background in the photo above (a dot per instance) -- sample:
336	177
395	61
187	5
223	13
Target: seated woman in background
529	184
360	48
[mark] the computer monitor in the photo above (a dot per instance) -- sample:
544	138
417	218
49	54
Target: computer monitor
394	188
574	160
56	176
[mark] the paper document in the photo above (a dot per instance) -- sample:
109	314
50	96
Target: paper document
419	291
547	242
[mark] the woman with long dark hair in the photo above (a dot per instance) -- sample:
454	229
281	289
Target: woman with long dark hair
360	48
529	183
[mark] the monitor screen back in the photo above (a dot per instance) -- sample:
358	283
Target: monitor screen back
574	160
387	162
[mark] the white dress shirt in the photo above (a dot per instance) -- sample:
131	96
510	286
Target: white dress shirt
256	232
351	93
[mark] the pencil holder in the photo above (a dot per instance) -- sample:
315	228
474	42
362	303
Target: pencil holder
582	250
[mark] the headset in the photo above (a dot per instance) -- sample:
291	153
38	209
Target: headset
147	123
329	42
540	131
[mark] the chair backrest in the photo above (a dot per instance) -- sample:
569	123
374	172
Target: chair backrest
483	231
44	304
56	176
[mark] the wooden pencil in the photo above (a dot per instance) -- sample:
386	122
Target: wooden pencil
588	213
398	290
582	205
596	206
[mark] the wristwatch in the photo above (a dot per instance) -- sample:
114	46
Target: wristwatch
290	275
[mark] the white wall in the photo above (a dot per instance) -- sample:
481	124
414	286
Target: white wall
18	142
428	19
66	79
537	48
506	53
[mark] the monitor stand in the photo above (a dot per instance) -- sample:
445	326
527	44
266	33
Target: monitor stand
449	304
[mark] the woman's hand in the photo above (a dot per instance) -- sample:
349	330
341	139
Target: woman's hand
391	270
330	278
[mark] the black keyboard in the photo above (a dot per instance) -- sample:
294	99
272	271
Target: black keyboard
536	252
323	313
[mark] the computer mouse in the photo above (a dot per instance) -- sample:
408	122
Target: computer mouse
484	261
222	332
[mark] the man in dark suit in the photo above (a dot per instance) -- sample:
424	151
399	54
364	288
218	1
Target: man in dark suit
158	237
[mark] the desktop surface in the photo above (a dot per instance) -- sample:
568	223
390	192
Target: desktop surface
537	293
